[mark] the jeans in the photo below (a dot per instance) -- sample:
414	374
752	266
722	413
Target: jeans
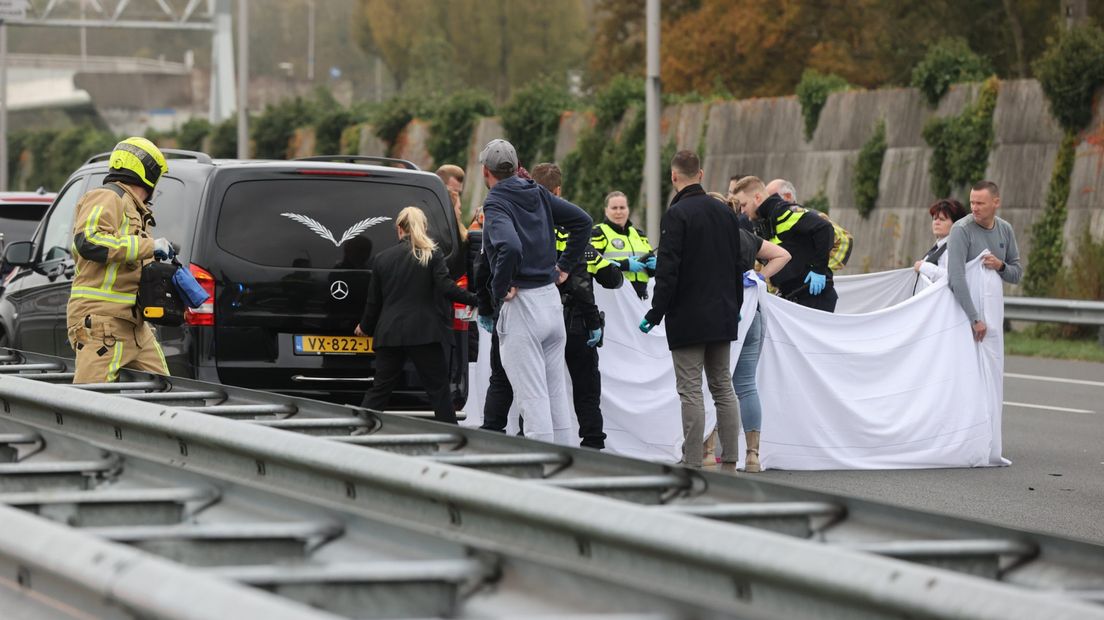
743	377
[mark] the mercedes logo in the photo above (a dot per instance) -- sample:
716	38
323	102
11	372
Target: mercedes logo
339	290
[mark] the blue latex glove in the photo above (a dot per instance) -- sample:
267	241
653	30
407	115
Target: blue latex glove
749	280
635	266
645	326
816	282
486	322
650	263
595	337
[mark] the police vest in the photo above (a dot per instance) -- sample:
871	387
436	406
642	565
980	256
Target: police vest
594	261
842	241
615	247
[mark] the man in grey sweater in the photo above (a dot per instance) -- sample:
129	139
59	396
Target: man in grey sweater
970	236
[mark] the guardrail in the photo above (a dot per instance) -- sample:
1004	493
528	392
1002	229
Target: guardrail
724	569
1046	310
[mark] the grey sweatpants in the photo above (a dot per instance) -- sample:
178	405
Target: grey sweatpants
531	343
689	362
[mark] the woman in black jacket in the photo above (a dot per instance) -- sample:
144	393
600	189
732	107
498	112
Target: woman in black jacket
408	315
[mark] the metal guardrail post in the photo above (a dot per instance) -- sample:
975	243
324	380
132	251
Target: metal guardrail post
726	568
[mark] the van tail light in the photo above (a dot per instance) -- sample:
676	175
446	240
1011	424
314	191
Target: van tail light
205	314
460	311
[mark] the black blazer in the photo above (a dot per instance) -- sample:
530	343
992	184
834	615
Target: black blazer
408	304
699	271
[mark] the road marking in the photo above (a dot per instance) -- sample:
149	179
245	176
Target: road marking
1063	409
1013	375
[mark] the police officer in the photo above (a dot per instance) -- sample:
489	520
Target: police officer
807	278
622	244
111	243
583	323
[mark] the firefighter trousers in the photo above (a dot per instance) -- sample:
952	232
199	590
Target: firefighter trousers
104	345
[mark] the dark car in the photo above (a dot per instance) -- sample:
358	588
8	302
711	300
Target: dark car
283	246
20	213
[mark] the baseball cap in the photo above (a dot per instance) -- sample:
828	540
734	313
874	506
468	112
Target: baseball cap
499	156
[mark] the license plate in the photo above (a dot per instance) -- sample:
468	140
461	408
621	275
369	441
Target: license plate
332	345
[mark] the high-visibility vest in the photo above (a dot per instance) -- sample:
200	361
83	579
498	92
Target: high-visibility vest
841	243
594	260
616	247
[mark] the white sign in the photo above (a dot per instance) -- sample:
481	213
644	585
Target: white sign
13	9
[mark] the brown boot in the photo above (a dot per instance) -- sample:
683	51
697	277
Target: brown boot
709	459
751	463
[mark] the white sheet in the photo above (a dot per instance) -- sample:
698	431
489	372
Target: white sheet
895	383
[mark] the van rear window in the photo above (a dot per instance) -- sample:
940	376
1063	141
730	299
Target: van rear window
320	223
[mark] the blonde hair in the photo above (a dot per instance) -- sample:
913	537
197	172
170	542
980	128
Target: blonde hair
721	197
412	221
749	184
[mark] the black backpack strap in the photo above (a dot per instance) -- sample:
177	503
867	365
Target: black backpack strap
933	257
115	188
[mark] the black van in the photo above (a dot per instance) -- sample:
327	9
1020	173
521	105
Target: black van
283	246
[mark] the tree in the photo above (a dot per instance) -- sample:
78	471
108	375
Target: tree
436	46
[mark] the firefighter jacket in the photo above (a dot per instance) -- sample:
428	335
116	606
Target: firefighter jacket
111	243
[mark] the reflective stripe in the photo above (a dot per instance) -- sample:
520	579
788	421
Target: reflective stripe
161	354
87	292
783	223
91	232
116	361
635	245
91	226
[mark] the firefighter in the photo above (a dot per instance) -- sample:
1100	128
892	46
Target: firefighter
111	243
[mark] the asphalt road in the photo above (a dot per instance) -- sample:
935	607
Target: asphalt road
1054	436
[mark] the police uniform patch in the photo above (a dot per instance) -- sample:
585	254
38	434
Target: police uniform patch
618	244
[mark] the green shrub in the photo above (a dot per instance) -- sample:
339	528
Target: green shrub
1083	280
948	61
610	103
532	118
1047	241
868	171
273	129
819	202
224	139
812	94
451	127
350	139
961	144
55	154
392	116
1070	71
191	134
610	154
328	129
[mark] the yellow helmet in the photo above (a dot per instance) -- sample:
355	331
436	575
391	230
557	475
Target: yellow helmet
140	157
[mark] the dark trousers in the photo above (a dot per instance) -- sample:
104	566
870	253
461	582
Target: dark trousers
586	390
500	394
432	366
